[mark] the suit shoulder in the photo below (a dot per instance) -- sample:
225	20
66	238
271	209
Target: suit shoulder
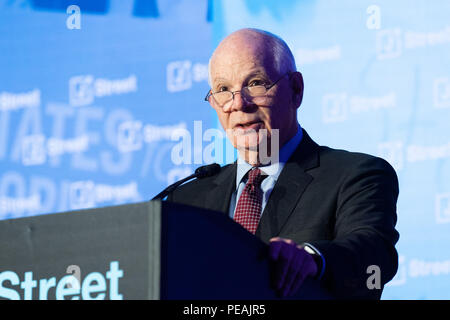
352	160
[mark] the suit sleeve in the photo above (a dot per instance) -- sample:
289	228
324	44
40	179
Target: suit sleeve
364	233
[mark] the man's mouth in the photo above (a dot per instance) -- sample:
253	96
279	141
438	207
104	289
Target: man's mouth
248	126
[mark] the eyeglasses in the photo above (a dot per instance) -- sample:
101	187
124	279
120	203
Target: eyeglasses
225	98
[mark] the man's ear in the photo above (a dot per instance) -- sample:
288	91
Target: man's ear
297	87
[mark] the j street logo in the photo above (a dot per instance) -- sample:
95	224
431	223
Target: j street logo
36	148
84	88
181	74
396	153
418	268
23	196
14	101
12	207
441	92
336	107
87	194
132	134
305	56
390	43
442	208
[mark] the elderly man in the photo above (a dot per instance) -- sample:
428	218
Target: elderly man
327	214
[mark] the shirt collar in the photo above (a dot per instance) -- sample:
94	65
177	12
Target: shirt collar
274	169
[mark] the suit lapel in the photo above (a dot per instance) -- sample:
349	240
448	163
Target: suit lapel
288	189
224	184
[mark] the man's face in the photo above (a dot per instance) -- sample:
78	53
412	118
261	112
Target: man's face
237	64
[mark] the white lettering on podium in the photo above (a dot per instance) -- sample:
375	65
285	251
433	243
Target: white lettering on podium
93	286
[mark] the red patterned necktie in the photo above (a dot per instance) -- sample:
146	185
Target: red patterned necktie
248	209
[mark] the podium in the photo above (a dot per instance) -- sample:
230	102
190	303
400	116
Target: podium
154	250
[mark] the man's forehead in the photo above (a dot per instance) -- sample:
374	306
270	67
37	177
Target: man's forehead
242	57
241	44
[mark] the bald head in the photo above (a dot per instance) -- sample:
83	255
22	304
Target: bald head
268	47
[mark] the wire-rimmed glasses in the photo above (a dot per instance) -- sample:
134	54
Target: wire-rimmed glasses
226	97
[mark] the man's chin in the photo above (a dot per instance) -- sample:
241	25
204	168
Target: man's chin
247	142
247	148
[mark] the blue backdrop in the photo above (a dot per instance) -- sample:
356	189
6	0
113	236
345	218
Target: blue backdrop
87	114
91	95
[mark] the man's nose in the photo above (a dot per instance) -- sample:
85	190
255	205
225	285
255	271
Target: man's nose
239	102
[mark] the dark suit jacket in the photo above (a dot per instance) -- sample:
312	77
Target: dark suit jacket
341	202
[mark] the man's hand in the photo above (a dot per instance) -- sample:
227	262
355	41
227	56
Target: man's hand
292	264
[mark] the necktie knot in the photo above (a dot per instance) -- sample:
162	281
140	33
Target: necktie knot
255	177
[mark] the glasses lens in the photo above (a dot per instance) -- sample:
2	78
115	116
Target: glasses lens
223	97
256	91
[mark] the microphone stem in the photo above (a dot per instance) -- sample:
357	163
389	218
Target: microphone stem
172	187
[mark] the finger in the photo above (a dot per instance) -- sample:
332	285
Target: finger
294	269
282	264
299	279
274	249
275	246
307	269
281	239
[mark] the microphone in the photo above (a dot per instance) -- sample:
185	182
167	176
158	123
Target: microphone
201	172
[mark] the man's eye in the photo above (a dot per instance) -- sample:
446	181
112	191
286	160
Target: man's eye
256	83
222	89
